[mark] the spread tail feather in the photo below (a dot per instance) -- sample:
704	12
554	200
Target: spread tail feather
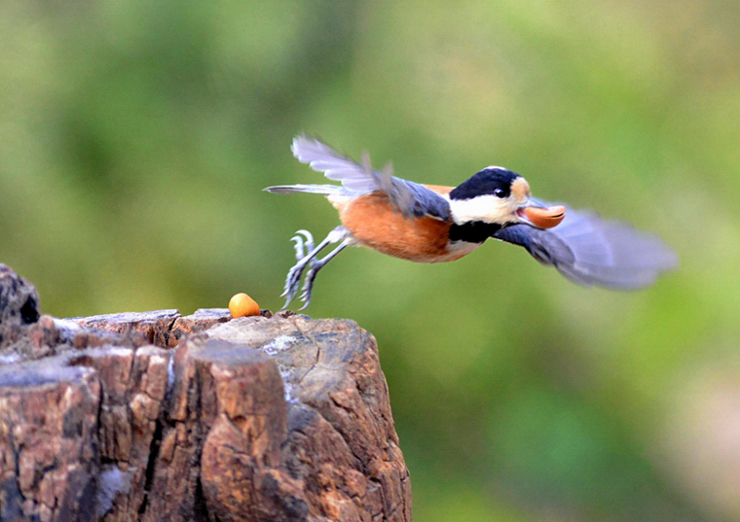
312	189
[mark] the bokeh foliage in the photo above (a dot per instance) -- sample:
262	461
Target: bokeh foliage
136	136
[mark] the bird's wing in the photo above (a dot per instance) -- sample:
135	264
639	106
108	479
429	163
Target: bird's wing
591	251
411	199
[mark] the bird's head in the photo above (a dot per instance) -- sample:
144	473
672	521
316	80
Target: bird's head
497	196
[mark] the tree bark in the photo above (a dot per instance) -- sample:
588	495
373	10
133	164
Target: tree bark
156	416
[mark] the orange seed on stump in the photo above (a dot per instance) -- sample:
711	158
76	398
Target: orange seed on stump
241	305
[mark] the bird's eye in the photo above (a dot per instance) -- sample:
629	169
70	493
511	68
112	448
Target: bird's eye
499	193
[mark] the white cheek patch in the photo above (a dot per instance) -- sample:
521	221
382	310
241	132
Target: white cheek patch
487	208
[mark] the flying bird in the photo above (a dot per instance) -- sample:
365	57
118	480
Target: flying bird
435	224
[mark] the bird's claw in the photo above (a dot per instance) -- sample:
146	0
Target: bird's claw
308	282
303	246
292	282
299	247
306	253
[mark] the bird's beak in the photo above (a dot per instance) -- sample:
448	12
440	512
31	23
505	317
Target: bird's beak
540	215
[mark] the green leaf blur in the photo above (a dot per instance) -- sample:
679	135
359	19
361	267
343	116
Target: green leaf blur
135	139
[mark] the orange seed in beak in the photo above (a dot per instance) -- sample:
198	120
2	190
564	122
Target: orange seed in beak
545	217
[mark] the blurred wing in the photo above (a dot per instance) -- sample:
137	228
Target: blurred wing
591	251
411	199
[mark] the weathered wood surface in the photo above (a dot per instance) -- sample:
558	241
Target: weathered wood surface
156	416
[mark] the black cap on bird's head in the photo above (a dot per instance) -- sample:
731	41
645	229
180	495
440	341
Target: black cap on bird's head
497	197
496	181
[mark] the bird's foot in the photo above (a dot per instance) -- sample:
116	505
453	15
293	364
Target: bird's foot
306	254
308	282
304	244
292	282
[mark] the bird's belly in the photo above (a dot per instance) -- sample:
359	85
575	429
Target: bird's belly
458	249
375	223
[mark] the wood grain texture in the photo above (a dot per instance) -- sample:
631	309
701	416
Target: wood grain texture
258	419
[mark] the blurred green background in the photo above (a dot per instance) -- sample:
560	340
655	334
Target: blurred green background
136	136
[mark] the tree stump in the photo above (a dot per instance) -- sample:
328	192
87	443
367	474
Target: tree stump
155	416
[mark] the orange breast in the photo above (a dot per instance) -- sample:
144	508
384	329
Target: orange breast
375	223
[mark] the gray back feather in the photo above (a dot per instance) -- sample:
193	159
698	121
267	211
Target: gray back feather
411	199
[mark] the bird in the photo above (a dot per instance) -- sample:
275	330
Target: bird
435	224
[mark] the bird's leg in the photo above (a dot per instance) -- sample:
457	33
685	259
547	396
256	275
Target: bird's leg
316	265
292	282
304	245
